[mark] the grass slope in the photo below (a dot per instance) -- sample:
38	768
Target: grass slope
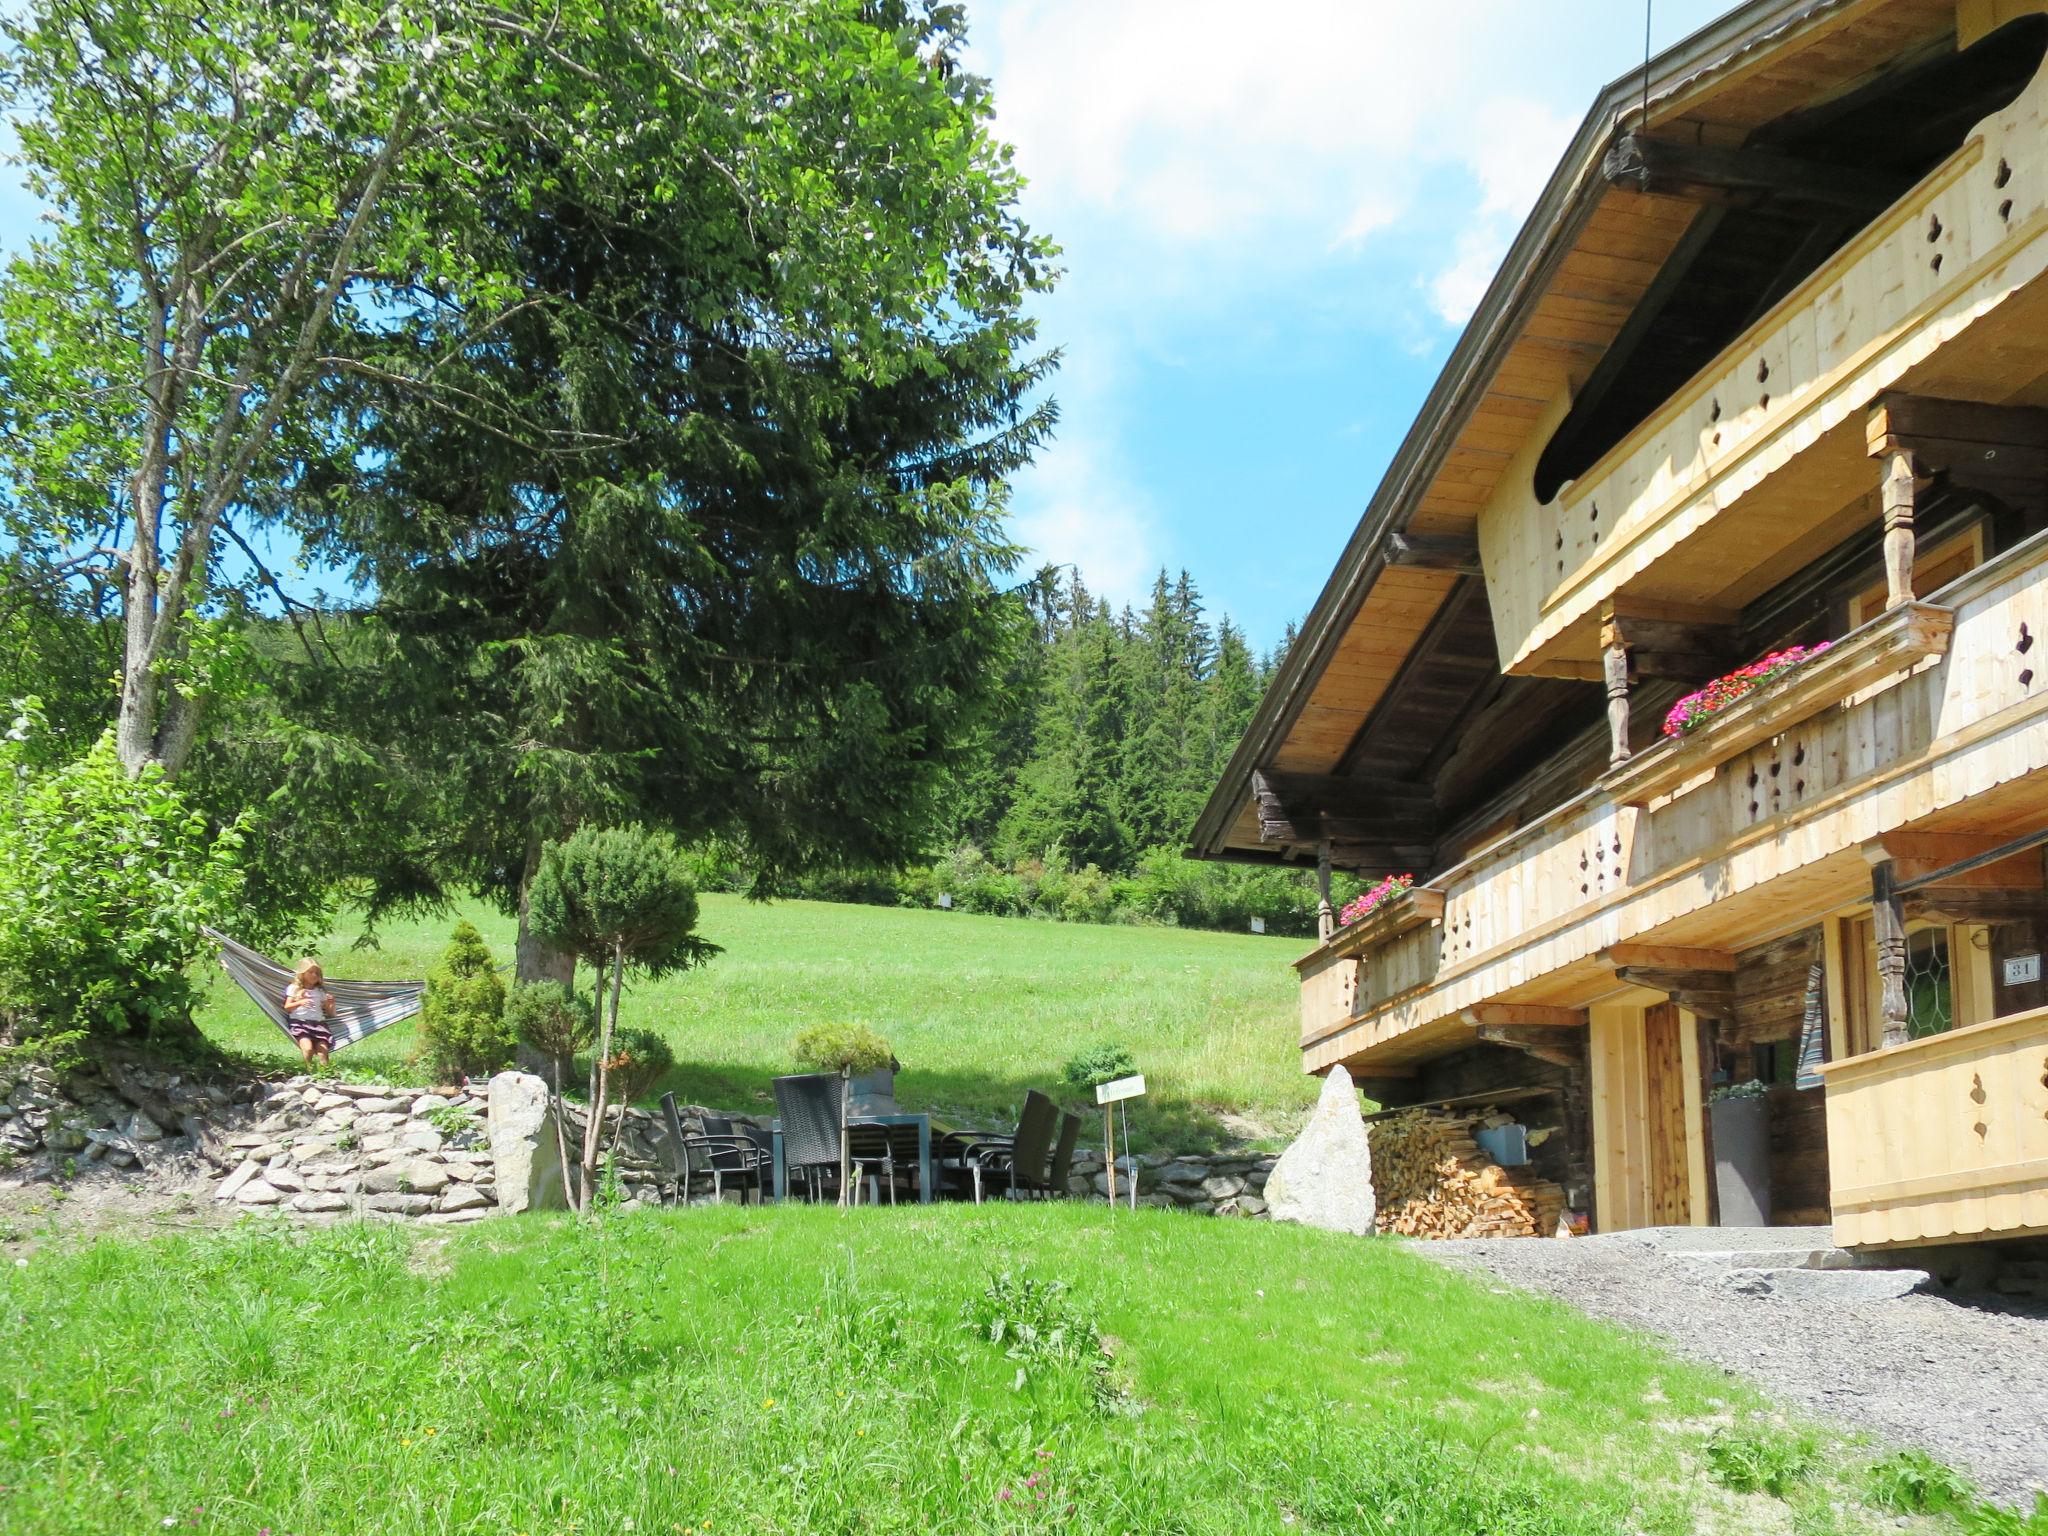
807	1370
977	1008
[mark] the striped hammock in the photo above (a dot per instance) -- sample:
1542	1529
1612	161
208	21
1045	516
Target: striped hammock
360	1007
1812	1030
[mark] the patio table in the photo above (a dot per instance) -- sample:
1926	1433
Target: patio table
901	1128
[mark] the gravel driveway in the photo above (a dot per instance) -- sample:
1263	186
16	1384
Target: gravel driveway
1967	1379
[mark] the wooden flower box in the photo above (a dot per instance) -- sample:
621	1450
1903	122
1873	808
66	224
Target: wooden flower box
1891	643
1397	914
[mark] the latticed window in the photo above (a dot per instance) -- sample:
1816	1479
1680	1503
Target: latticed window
1948	980
1930	992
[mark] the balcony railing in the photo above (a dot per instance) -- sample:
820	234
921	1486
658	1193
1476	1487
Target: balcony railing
1942	1139
1616	864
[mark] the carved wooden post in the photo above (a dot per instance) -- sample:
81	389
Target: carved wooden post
1898	530
1614	666
1888	926
1326	913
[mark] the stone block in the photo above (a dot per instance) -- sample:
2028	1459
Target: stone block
1325	1178
395	1204
314	1201
524	1153
231	1186
463	1197
258	1192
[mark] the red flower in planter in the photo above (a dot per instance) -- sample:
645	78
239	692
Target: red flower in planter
1368	900
1695	709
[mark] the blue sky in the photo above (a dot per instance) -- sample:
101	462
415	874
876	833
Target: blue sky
1272	236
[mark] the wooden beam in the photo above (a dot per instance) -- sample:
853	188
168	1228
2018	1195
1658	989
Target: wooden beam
1672	957
1310	810
1433	552
2000	450
1973	904
1921	856
1705	993
1707	174
1902	423
1525	1015
1551	1045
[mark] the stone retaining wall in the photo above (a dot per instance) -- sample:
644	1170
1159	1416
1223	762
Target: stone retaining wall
1218	1184
322	1150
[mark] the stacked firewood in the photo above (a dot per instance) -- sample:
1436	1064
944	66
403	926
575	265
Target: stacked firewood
1430	1178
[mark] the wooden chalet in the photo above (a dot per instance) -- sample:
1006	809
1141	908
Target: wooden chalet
1768	365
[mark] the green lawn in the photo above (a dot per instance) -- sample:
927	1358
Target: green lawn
977	1008
807	1370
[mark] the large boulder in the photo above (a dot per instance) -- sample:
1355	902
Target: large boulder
524	1150
1325	1178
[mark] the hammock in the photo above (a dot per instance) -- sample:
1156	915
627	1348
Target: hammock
360	1007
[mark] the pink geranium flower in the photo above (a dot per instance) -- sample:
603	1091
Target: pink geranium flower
1700	706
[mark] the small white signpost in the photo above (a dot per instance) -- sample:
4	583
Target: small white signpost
1109	1095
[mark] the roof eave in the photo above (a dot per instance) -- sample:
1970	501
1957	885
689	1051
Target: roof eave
1546	236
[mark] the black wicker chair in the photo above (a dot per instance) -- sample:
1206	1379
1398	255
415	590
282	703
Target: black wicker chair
811	1106
717	1155
1016	1163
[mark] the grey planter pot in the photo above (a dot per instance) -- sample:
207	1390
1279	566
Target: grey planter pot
1742	1161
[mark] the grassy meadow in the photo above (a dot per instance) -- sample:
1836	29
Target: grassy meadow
809	1370
977	1008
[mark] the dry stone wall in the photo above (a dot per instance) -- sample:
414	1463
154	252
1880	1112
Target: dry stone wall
319	1150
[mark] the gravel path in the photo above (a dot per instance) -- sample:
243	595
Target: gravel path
1967	1379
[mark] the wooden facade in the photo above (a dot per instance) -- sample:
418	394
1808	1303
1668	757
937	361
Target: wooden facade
1760	372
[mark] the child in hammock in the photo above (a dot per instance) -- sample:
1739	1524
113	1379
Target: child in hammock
307	1007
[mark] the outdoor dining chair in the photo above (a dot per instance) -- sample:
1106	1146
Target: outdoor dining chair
716	1154
810	1106
1015	1162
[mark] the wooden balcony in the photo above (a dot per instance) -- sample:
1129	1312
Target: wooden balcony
1943	1139
1732	849
1731	484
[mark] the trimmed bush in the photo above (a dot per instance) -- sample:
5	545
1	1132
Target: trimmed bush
463	1028
853	1049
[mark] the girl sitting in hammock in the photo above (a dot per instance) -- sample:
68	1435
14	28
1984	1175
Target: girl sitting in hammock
307	1007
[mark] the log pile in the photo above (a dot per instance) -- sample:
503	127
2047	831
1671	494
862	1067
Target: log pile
1430	1178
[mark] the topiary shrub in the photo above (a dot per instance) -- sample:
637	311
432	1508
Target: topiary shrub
463	1029
619	898
1102	1062
850	1049
640	1060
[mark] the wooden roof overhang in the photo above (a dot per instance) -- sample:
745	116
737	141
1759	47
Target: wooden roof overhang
1577	271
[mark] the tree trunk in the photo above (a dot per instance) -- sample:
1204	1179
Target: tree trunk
535	959
601	1075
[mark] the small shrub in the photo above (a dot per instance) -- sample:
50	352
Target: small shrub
550	1020
1103	1062
1035	1322
1914	1483
850	1048
640	1060
451	1120
1759	1459
463	1032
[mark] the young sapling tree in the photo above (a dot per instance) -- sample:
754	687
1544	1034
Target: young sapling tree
616	898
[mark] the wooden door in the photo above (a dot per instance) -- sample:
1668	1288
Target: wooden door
1647	1153
1664	1116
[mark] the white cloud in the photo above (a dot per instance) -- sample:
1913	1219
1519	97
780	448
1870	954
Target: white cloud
1188	121
1077	508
